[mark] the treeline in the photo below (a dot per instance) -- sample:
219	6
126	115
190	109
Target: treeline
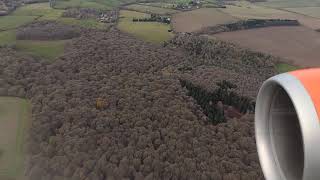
248	24
154	18
216	104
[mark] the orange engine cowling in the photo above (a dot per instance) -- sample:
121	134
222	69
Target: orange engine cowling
287	126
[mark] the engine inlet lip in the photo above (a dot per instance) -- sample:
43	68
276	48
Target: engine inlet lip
308	121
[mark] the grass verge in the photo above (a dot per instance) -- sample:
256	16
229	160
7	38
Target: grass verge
284	67
15	117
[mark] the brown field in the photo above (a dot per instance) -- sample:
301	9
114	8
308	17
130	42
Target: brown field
298	45
310	22
195	20
246	10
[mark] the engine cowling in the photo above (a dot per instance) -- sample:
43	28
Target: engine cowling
287	126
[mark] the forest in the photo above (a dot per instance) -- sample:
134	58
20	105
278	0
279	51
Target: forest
148	127
111	106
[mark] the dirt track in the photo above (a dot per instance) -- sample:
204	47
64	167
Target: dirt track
298	45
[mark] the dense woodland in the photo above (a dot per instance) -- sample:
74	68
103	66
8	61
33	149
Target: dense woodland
212	61
115	107
147	127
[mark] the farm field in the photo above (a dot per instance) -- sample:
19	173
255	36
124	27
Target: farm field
150	9
65	4
309	11
96	4
161	5
197	19
297	45
43	49
15	117
290	3
149	31
41	10
246	10
12	22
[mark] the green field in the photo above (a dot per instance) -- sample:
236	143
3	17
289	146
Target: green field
246	10
148	31
12	22
309	11
283	67
37	12
15	118
7	37
48	50
41	10
290	3
161	5
151	9
42	49
103	5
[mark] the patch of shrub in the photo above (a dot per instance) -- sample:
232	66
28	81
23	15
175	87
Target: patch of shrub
47	30
82	13
154	18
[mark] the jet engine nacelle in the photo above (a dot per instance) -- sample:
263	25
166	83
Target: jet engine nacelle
287	126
